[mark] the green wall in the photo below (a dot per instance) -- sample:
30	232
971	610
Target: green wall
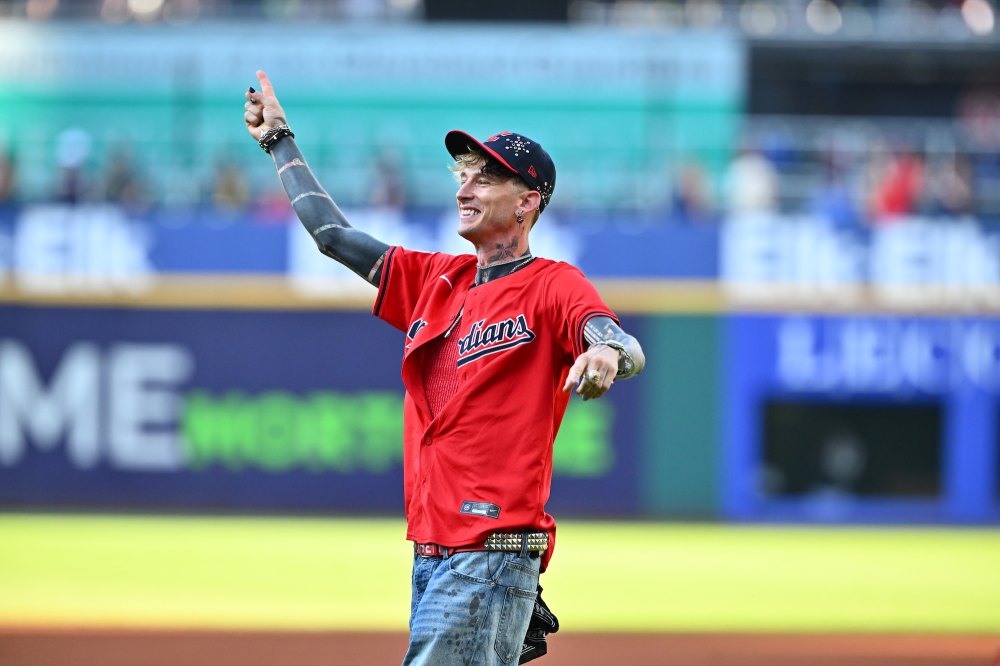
681	477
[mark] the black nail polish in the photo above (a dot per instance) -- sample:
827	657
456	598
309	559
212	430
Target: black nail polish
251	89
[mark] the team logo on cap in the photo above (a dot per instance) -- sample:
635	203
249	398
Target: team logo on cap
532	172
484	340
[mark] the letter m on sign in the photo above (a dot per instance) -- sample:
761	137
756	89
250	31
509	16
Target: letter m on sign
68	408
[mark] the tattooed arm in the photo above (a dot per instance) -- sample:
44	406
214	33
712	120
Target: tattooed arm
322	218
612	354
318	213
603	331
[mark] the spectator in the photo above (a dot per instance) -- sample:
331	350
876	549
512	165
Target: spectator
229	188
949	186
833	200
691	199
898	186
751	184
388	188
8	176
72	153
123	183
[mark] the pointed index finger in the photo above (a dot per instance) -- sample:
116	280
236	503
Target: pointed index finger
265	84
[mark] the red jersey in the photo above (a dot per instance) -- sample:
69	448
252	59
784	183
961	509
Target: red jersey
482	462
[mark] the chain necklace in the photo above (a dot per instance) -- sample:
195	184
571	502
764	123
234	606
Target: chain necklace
483	273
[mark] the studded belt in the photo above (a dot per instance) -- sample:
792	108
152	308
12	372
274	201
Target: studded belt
510	542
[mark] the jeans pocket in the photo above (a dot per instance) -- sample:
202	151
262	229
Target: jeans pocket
479	567
514	619
519	573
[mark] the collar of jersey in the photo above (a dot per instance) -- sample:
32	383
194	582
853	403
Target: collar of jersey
497	271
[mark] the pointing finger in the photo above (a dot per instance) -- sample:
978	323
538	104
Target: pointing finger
575	373
265	84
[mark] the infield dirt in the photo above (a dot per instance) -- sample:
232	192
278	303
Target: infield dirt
66	647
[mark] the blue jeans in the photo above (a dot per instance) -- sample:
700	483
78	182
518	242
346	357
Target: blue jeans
470	608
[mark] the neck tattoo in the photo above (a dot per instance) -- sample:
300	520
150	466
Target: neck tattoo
499	269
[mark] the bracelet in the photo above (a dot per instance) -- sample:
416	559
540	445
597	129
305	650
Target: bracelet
626	366
271	136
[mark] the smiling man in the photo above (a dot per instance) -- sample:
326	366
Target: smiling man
495	343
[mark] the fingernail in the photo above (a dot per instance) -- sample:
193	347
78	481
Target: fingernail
251	89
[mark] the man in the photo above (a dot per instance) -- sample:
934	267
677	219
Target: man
494	344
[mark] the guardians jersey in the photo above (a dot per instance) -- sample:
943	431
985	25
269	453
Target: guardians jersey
482	461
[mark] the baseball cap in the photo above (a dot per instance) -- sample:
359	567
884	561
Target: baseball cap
514	151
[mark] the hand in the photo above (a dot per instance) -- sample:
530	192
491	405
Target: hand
597	368
262	109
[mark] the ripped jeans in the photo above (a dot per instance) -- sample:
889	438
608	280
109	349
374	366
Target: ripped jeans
470	608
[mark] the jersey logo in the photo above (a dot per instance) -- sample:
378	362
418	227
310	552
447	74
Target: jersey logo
414	329
484	340
484	509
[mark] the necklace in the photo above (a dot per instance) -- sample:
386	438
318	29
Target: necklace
527	255
502	268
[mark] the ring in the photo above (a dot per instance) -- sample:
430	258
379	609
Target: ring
594	377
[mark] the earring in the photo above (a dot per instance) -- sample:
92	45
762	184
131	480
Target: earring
520	216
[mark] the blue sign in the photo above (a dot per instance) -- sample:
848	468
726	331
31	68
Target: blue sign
238	410
867	370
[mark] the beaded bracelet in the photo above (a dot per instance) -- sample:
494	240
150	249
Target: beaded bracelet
271	136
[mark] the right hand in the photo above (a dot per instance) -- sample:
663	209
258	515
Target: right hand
262	108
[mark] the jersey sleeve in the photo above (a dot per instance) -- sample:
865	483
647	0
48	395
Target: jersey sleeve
576	302
404	278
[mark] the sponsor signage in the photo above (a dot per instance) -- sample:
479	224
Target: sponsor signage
832	405
156	409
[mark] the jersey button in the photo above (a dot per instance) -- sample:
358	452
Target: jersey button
427	441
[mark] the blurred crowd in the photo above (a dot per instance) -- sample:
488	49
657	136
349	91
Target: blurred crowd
754	18
86	171
853	172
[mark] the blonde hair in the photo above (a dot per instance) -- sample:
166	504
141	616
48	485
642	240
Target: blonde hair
487	166
492	168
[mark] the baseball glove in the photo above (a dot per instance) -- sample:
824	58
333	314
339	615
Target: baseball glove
542	623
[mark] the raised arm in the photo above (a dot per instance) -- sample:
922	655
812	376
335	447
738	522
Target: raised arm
334	236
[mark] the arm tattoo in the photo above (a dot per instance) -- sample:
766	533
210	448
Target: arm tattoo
302	196
321	217
288	165
604	331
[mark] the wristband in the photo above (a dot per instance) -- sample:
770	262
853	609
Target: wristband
271	136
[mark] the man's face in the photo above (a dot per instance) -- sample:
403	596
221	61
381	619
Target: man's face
487	205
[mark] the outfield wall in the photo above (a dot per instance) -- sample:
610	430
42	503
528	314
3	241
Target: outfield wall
753	416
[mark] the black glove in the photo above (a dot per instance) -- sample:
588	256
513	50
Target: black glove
542	623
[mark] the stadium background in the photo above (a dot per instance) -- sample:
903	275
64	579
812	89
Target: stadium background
793	205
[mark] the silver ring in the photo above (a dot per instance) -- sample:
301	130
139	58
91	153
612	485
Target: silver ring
594	377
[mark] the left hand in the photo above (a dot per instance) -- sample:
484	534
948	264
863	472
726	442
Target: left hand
262	110
597	367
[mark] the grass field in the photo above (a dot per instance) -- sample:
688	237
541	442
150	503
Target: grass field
306	574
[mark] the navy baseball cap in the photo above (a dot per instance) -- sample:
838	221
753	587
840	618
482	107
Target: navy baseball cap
516	152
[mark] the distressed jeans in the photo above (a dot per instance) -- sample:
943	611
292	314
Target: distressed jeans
470	608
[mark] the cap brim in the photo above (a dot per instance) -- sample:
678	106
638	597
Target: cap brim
458	142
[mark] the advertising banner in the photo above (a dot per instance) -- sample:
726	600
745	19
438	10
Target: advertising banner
862	417
137	409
